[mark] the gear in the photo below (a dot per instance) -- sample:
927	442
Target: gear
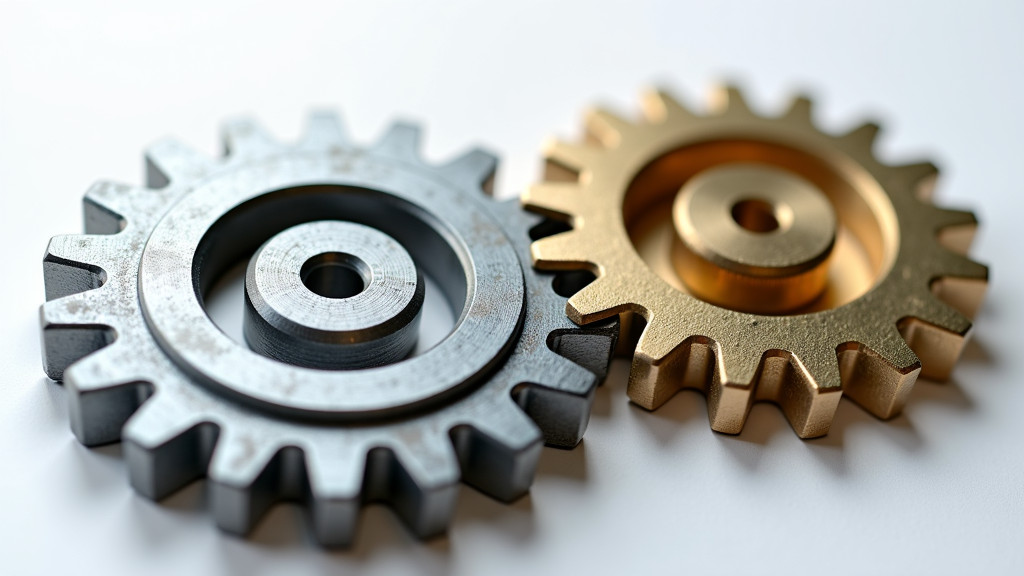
712	229
125	328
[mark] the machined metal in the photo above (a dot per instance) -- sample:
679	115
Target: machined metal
898	292
126	330
332	295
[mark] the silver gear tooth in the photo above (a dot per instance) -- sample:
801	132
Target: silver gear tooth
106	207
166	446
401	141
245	138
426	489
170	161
336	474
499	453
74	264
182	430
247	475
102	395
475	167
324	129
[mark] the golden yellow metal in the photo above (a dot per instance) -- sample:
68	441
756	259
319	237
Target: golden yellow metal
752	238
898	289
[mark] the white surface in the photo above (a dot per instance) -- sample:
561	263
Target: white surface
938	490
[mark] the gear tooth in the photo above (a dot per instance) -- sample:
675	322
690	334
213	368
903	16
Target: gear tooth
575	157
730	391
420	481
553	198
336	472
166	446
107	206
324	129
249	474
606	127
498	453
945	217
879	378
596	301
809	389
662	363
245	138
401	141
74	264
862	137
801	109
964	292
475	168
937	333
170	161
103	394
558	252
560	403
729	100
659	106
588	350
79	309
917	179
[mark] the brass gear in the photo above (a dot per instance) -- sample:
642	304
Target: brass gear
894	301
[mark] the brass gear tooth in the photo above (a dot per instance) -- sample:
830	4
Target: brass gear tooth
552	199
949	218
918	179
937	334
801	357
659	107
965	294
880	377
728	99
597	301
606	127
575	157
862	137
731	390
561	251
801	109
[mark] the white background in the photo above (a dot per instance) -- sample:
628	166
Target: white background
84	86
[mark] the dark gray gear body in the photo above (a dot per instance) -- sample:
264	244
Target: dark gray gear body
125	328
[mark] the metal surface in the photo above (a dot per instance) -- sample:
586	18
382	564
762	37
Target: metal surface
896	304
332	295
126	330
752	238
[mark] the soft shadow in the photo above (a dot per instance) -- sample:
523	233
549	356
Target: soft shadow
564	463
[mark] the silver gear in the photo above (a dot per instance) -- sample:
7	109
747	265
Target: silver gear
124	328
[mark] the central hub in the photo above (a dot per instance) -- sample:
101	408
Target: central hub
753	238
332	295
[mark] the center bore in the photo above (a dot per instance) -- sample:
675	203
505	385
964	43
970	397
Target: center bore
335	275
753	238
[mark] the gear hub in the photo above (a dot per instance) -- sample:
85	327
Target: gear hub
324	404
769	260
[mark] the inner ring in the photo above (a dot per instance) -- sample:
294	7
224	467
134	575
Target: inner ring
225	219
753	237
362	309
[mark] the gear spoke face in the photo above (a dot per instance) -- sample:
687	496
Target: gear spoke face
770	261
325	403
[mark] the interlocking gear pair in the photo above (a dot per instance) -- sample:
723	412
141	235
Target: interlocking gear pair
764	260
